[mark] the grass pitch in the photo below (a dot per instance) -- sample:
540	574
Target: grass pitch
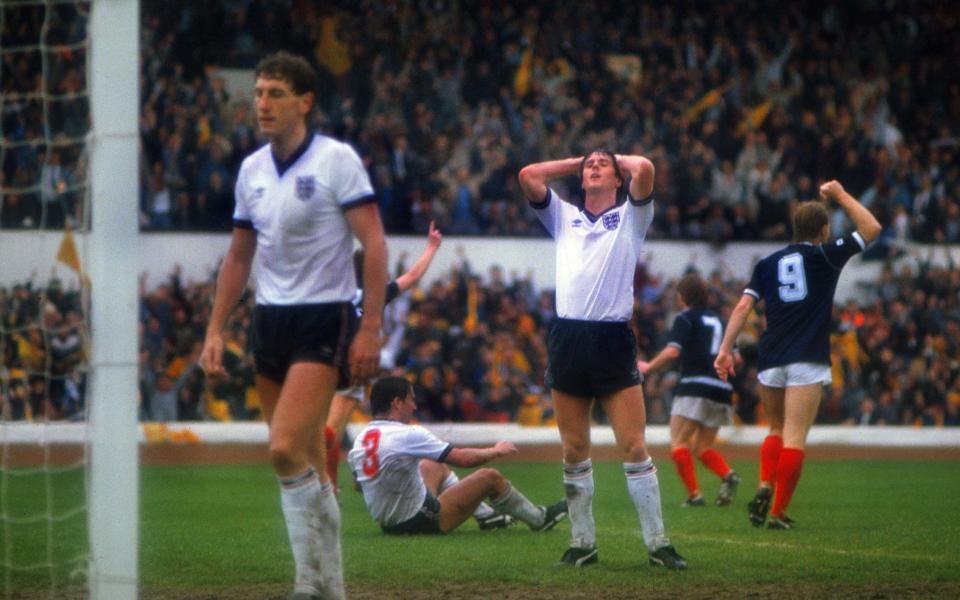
865	529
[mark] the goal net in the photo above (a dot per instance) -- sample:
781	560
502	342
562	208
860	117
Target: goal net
68	261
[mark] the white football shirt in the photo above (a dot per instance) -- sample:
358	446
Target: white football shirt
304	243
385	459
596	256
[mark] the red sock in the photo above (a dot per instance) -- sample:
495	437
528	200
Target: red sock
683	460
769	458
788	474
333	454
713	460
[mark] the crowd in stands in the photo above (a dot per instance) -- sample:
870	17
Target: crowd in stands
474	347
743	109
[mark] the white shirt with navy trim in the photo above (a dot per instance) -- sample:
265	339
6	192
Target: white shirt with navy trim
596	257
304	243
385	459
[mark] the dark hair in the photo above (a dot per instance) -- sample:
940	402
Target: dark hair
609	154
693	290
808	221
385	391
294	70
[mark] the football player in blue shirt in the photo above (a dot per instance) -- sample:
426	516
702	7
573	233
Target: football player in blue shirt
797	285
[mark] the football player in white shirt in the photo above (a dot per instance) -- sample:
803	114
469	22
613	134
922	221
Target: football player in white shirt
300	200
406	484
591	349
346	400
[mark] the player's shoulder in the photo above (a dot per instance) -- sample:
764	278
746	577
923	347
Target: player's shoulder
258	159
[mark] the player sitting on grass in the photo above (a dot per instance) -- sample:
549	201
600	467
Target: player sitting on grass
408	488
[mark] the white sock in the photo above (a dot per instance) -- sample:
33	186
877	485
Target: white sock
298	498
644	490
515	504
578	487
328	544
483	511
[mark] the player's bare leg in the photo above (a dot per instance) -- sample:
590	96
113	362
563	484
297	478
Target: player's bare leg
683	436
438	477
573	421
341	409
309	505
800	409
627	414
458	503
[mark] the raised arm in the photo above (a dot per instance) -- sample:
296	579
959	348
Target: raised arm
364	358
413	275
725	360
232	280
534	178
641	174
474	457
867	225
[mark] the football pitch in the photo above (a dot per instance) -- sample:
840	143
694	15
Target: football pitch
865	529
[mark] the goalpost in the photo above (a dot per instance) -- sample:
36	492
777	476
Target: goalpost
40	542
113	262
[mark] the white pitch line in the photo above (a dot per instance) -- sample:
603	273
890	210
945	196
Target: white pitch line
828	550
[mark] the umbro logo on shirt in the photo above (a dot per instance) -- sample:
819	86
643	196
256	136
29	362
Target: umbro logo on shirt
576	223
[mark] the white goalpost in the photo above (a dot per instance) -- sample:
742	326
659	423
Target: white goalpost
69	141
113	262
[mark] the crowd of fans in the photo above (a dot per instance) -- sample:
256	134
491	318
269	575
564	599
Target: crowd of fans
743	109
474	347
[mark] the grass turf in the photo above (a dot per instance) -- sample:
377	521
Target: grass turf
861	525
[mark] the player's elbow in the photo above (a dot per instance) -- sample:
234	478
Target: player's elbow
870	231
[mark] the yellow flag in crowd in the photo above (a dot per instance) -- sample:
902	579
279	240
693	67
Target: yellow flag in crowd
709	100
330	51
755	117
470	323
521	81
67	254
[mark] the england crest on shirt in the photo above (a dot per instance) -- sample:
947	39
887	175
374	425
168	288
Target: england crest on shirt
305	186
611	220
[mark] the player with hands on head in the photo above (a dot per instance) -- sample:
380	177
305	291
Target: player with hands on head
406	483
347	399
591	349
797	285
300	200
701	401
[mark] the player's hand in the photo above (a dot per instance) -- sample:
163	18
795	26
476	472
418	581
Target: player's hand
503	448
724	365
643	366
364	356
434	237
831	190
211	357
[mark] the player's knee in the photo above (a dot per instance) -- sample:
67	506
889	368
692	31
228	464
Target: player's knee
283	455
635	448
493	478
575	450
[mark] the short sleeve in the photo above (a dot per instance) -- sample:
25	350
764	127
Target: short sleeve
755	287
393	290
241	212
840	250
549	211
422	443
680	333
350	181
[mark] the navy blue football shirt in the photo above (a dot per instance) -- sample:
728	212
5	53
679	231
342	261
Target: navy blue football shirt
697	333
798	284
